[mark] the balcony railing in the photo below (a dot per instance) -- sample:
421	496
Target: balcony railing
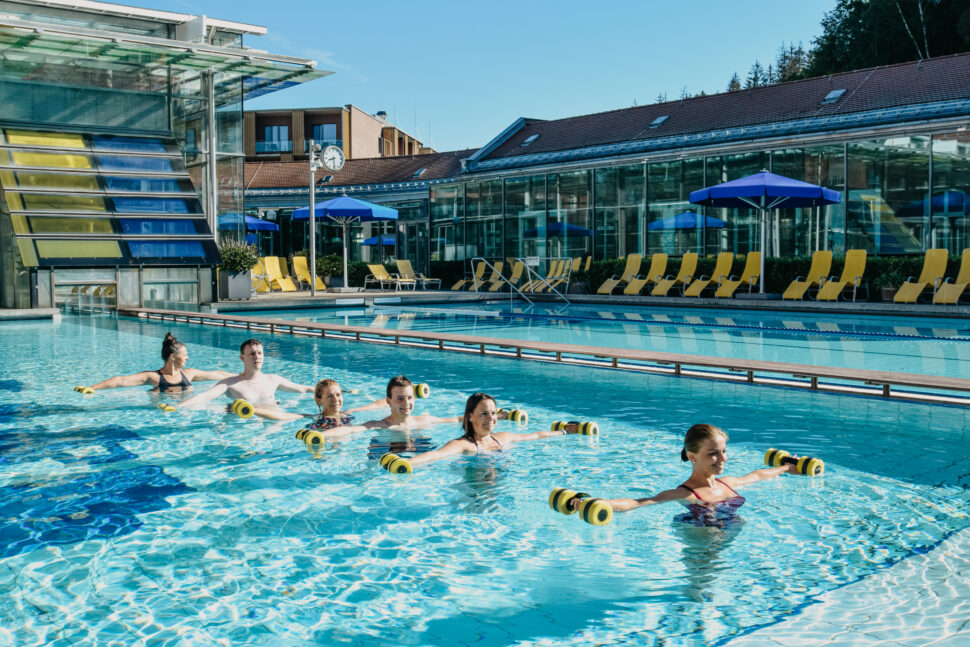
323	143
274	147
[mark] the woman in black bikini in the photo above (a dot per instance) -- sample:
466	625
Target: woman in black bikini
479	423
709	500
172	377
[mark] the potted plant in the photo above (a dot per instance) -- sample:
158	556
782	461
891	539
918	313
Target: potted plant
235	282
330	266
888	284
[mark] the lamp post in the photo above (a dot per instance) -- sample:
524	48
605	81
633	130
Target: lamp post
315	163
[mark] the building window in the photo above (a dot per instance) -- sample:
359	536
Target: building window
276	139
325	134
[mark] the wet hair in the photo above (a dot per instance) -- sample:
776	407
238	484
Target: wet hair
170	345
466	420
248	342
396	381
696	436
321	385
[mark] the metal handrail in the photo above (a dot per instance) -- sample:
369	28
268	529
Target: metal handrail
569	272
481	259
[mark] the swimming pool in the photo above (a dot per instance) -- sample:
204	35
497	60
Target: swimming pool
122	523
905	344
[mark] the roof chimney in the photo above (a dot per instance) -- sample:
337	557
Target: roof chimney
381	116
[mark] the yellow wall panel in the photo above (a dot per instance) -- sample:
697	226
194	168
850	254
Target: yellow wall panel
54	180
41	225
34	138
19	224
78	249
57	160
27	252
45	202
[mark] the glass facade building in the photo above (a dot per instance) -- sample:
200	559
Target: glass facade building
121	155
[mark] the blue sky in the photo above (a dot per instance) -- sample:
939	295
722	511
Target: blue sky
455	74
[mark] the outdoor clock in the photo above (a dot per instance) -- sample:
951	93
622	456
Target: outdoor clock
333	158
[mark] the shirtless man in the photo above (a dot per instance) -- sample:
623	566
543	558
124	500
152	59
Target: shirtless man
400	398
251	385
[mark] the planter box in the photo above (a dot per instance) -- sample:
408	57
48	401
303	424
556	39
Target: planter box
887	294
234	286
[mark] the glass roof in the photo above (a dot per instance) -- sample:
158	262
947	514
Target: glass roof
263	72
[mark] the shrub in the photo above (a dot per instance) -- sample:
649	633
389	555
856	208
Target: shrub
236	257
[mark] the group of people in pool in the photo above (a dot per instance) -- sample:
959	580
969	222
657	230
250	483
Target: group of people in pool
706	494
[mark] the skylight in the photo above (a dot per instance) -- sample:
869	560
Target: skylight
833	96
656	123
419	172
530	139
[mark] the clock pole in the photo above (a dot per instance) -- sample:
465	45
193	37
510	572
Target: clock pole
315	163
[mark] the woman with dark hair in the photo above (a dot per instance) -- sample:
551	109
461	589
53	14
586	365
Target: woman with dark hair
173	377
479	422
709	500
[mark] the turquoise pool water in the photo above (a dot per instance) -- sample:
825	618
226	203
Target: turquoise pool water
906	344
120	523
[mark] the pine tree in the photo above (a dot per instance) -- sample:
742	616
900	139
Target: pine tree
734	84
756	76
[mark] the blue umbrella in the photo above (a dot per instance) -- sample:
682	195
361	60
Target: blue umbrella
232	220
764	191
686	220
345	210
557	228
386	241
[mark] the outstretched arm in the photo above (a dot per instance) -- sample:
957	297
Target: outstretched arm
450	448
118	381
277	414
196	375
761	475
206	396
536	435
349	430
376	404
293	387
622	505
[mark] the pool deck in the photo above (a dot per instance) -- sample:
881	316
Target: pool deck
14	314
921	600
278	300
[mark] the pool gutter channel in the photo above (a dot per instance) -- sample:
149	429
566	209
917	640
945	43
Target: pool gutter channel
847	381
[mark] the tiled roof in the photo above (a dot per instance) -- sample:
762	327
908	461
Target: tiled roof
373	170
939	79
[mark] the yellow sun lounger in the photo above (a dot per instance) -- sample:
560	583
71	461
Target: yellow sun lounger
538	285
517	270
380	275
630	272
934	267
750	276
472	282
658	265
302	270
275	275
950	293
407	273
688	265
722	271
820	268
494	278
852	271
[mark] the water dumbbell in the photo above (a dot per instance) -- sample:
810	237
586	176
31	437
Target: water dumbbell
242	408
422	390
395	464
591	510
584	428
84	390
167	408
516	415
313	438
560	500
804	465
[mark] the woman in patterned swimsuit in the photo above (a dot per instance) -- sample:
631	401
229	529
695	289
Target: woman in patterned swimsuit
709	500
